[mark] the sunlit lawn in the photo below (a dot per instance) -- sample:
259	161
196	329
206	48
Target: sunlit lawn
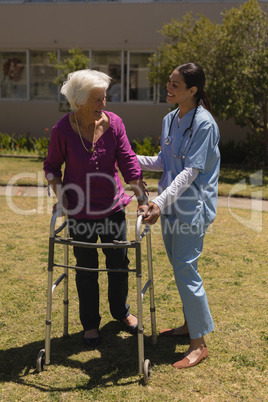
239	182
234	269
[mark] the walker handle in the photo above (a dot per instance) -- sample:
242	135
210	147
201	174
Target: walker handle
138	233
58	213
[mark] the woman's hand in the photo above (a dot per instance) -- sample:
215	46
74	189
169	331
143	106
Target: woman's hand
62	205
152	215
143	210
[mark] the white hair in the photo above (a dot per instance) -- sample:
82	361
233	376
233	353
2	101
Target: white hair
80	83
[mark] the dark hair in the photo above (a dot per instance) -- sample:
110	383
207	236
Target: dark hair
194	76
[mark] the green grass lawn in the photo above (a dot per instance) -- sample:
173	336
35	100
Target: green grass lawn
21	171
29	171
234	269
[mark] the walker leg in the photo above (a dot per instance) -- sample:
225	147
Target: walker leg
49	301
65	285
151	288
140	328
139	305
48	318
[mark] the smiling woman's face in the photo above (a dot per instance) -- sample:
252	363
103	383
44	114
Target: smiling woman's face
95	104
176	87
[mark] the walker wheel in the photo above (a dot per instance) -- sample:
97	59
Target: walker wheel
146	371
40	361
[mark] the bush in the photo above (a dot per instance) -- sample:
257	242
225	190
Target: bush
249	153
7	141
41	146
149	146
23	144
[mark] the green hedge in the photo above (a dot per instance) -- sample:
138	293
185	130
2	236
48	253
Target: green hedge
249	153
23	144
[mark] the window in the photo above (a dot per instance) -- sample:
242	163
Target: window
13	75
64	55
38	1
70	1
60	1
30	75
129	83
137	1
138	87
11	1
109	63
42	75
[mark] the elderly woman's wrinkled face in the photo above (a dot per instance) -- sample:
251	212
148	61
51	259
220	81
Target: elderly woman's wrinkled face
95	104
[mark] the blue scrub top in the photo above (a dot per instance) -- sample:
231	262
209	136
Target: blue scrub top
198	204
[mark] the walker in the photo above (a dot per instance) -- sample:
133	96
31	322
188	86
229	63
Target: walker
43	357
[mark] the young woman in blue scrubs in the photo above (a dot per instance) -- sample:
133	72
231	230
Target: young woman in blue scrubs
187	200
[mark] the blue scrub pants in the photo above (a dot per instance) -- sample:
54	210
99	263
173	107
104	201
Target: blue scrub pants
184	244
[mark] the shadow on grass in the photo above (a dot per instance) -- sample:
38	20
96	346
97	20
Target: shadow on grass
117	364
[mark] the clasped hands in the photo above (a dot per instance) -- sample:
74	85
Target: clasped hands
150	213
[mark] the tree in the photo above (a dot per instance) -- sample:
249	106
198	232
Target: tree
234	55
76	61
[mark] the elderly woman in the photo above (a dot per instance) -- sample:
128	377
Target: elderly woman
93	145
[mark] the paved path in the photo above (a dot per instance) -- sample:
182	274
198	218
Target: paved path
228	202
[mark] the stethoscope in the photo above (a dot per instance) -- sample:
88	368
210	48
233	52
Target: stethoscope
181	154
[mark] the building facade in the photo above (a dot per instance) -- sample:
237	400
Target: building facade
118	37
